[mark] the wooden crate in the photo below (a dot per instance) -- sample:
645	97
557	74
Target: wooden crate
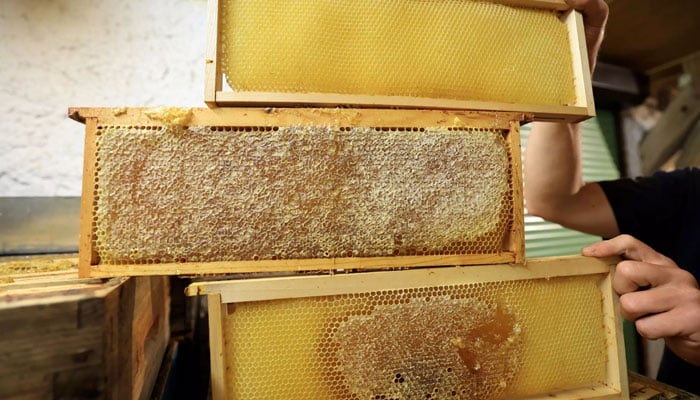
219	93
180	236
69	338
546	330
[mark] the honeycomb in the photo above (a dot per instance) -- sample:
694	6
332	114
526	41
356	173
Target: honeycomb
36	265
201	193
451	49
484	341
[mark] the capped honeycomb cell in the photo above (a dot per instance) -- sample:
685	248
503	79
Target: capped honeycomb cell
481	332
224	192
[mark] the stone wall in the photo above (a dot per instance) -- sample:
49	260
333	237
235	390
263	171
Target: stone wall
55	54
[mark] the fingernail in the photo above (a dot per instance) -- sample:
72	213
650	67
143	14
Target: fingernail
588	250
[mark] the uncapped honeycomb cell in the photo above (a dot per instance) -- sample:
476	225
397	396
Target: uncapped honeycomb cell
450	49
176	194
485	341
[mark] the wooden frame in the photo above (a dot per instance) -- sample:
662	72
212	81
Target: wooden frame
222	294
513	247
215	94
77	338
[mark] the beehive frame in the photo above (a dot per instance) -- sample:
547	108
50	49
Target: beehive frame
218	94
512	249
224	295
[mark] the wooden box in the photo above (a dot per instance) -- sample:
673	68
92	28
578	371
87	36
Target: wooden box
541	331
69	338
498	55
193	191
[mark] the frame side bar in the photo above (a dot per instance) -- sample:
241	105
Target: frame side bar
87	254
212	71
581	64
216	346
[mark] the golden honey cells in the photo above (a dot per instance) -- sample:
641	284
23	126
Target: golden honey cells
465	50
225	194
484	341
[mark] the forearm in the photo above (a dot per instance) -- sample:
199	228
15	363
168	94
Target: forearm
552	167
554	187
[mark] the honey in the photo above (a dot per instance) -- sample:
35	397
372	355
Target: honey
200	193
446	49
36	266
486	341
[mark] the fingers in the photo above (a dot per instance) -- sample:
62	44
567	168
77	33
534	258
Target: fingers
632	275
594	11
595	16
635	305
645	266
668	308
659	325
678	312
628	247
680	327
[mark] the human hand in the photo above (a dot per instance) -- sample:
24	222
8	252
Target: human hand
595	16
662	299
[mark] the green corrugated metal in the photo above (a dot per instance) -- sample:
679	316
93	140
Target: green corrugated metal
544	238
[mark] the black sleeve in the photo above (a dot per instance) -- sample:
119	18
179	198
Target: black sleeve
652	208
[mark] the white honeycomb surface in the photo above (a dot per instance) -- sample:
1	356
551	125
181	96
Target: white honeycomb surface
219	194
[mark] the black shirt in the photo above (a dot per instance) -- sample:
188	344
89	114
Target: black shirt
663	211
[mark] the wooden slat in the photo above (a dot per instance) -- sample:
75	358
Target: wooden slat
86	250
691	66
559	5
581	65
666	136
28	296
233	291
645	388
600	392
316	264
68	350
151	332
690	157
216	348
516	236
539	112
212	76
143	330
616	359
111	346
270	117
